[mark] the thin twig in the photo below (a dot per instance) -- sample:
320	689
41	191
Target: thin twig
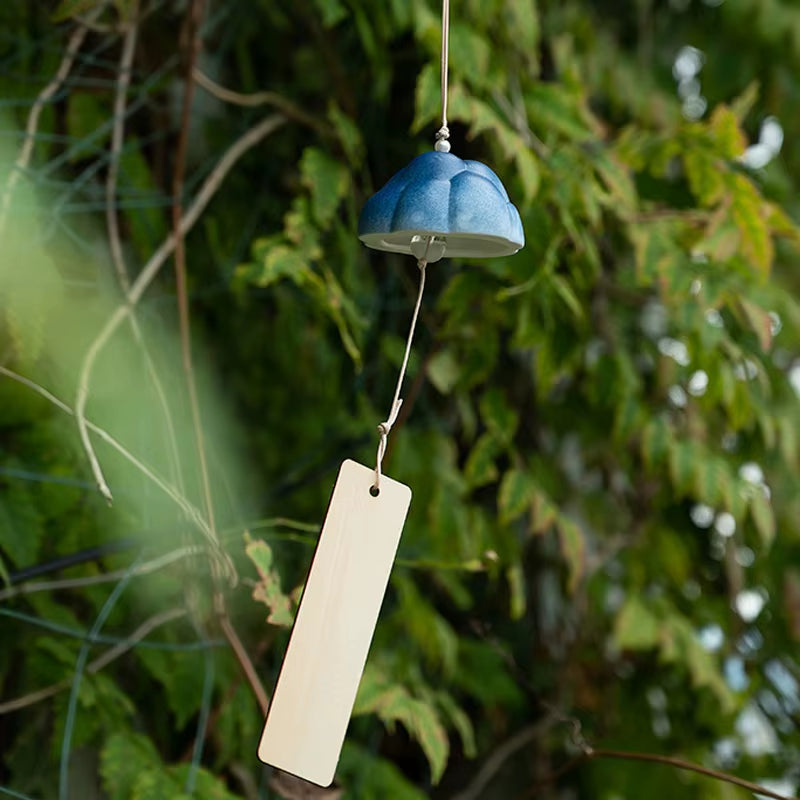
241	654
591	753
95	666
147	567
124	72
499	757
194	21
256	99
190	510
32	124
143	280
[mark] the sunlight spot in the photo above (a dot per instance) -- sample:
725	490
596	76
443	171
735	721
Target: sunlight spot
745	557
653	319
725	524
758	737
702	515
784	786
714	318
688	63
749	604
677	396
698	383
735	675
711	637
794	377
746	370
751	641
752	473
674	349
661	726
694	107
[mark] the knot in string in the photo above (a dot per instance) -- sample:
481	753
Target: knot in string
385	427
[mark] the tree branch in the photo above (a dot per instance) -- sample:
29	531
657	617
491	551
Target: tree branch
256	99
591	753
499	757
220	562
145	568
32	124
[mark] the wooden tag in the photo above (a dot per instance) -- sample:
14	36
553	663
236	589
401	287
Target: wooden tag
318	681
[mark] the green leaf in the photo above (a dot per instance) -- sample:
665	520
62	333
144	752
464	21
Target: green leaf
470	54
705	177
656	440
21	524
157	785
268	589
275	261
443	371
498	416
369	777
573	549
529	174
67	9
515	495
544	513
516	588
729	137
461	722
331	12
759	322
636	626
427	97
349	134
481	468
554	109
748	212
683	458
181	675
523	26
123	758
393	703
327	180
743	104
763	517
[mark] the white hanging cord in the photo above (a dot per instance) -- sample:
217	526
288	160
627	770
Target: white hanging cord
443	134
385	427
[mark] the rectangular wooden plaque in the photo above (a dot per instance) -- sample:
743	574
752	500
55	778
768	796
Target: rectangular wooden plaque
328	646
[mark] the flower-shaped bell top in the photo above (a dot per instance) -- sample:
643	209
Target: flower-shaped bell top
462	203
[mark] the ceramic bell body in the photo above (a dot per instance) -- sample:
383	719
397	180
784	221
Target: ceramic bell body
461	203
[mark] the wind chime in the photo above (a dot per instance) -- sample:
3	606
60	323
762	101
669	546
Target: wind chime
438	205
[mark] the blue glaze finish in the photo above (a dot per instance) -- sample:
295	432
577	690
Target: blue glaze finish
439	193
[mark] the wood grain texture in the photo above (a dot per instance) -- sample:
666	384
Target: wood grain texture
311	707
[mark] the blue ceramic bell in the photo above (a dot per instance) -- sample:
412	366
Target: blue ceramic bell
462	204
440	204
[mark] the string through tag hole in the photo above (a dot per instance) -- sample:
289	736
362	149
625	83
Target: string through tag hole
374	490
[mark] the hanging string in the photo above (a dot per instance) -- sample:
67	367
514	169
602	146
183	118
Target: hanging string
443	134
385	427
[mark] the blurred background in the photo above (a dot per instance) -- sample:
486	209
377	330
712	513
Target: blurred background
602	556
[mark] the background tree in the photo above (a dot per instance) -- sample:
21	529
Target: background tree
601	431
